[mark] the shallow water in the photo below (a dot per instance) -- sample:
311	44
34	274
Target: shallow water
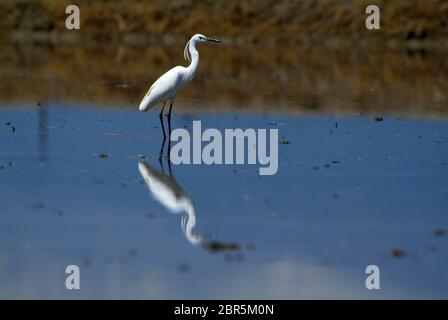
349	192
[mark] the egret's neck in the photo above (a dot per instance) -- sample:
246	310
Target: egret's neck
193	67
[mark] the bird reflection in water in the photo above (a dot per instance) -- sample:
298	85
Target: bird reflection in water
165	189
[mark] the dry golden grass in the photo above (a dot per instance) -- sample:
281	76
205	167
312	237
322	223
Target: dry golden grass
257	21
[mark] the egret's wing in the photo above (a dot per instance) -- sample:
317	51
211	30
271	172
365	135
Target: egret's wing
163	89
150	89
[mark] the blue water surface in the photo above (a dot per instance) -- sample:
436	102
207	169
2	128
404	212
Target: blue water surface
350	192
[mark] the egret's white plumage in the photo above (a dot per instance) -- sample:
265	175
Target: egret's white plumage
166	87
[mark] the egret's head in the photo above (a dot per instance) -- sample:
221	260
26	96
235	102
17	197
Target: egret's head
201	38
195	39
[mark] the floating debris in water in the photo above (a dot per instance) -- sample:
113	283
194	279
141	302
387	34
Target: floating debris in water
250	246
397	253
284	142
59	212
184	267
103	155
8	123
315	168
87	262
216	246
133	252
336	162
37	206
378	119
439	232
13	129
152	215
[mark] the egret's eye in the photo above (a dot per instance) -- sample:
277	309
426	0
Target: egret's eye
202	38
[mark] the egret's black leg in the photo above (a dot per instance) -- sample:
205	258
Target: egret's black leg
169	112
161	121
163	130
169	132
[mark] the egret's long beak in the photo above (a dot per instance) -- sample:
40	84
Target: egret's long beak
212	40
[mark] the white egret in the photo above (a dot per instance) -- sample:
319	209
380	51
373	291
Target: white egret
166	87
167	192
